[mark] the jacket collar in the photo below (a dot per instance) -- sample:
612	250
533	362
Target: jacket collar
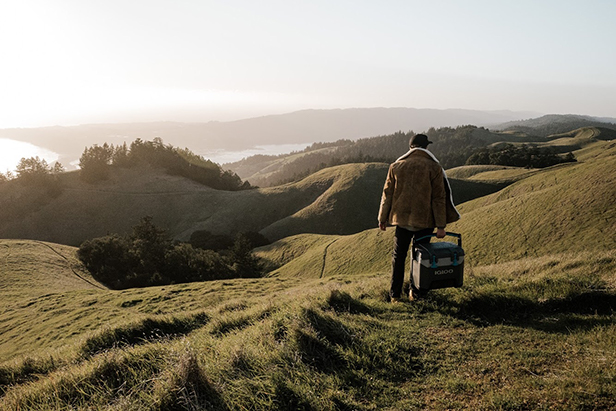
414	150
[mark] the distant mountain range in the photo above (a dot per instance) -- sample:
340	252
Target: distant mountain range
306	126
299	127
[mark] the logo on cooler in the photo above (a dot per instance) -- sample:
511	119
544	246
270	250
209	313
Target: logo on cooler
443	272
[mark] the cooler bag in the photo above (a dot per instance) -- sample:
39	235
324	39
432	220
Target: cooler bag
437	265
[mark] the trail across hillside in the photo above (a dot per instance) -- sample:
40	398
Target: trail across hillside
325	257
68	263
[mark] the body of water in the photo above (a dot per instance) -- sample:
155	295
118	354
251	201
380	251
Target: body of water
12	151
226	156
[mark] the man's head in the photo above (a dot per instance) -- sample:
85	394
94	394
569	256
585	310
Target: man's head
419	140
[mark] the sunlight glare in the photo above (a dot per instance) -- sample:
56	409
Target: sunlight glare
12	151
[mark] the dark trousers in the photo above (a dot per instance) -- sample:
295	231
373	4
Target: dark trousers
402	242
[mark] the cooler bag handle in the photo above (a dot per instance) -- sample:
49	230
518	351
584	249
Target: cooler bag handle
458	236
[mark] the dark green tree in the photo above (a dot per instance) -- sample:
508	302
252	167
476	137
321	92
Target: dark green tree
149	245
245	264
94	163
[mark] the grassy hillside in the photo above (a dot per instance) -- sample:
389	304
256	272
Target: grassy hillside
466	172
33	275
336	200
537	333
82	211
563	208
566	208
43	266
533	327
452	147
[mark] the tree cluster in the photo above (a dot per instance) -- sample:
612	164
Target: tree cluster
36	173
519	156
149	257
33	170
453	146
95	163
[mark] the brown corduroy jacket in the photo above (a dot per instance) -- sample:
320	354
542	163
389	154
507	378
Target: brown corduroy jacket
417	194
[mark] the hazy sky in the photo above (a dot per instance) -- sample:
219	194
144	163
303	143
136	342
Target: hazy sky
65	62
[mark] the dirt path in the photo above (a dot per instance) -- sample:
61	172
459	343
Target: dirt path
8	253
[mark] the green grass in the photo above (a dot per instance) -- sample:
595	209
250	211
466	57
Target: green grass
466	172
562	208
538	333
260	172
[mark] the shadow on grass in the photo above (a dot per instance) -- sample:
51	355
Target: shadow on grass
239	322
340	301
27	370
146	330
190	389
337	348
582	311
287	397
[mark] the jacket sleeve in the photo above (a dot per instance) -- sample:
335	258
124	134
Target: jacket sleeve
386	198
439	199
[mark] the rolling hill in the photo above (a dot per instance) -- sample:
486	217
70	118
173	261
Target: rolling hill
337	200
555	124
532	328
83	211
536	214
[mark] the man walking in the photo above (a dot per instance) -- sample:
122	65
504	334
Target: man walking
416	199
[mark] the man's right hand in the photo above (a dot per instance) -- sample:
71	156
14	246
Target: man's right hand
383	226
440	233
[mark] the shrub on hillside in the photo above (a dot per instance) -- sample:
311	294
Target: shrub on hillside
519	156
244	262
109	260
148	257
8	176
184	263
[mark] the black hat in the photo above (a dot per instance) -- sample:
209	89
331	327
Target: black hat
420	140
